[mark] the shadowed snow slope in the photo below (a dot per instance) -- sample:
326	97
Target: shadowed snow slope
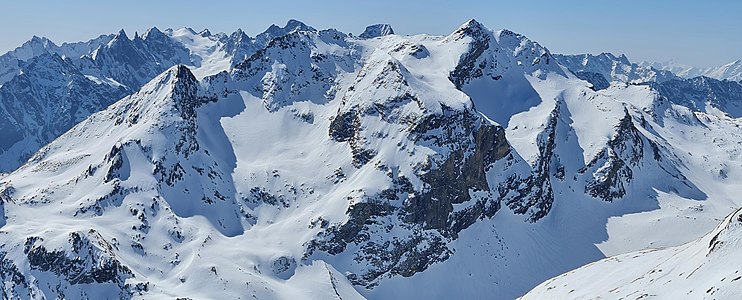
708	268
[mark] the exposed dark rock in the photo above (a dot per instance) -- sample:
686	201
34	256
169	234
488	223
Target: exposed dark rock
87	261
13	280
534	195
598	81
344	126
187	100
451	182
284	267
376	30
470	65
427	215
613	165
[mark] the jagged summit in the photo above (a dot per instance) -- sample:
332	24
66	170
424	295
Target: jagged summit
376	30
175	77
275	31
39	40
121	34
182	72
33	47
154	32
293	24
190	30
240	34
121	38
612	68
471	28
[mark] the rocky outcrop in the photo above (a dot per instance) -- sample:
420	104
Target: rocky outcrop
376	30
459	174
86	259
473	64
596	79
533	195
629	151
612	166
428	216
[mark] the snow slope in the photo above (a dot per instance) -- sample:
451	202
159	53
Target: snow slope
707	268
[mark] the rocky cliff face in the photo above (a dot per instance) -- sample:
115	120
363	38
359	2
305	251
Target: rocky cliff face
454	195
376	30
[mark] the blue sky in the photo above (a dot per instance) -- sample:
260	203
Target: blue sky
701	33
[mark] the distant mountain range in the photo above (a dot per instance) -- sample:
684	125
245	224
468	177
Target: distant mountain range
731	71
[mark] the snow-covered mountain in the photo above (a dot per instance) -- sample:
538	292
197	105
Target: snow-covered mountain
307	163
731	71
47	99
11	62
707	268
115	65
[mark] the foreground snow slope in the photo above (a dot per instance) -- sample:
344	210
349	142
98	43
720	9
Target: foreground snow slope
707	268
324	165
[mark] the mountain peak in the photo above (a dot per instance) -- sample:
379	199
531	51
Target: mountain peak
189	29
45	61
121	34
177	86
473	23
275	31
33	47
240	34
205	33
118	39
153	32
376	30
38	39
471	28
293	24
182	72
624	59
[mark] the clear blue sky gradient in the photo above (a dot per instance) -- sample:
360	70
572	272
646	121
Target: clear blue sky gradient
700	33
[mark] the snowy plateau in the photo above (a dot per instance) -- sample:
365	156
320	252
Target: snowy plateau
316	164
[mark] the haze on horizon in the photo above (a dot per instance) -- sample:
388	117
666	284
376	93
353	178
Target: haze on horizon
687	32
